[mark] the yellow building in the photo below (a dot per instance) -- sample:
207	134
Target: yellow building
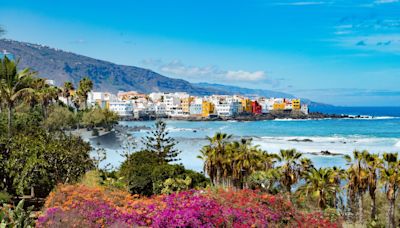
296	105
279	106
246	105
185	104
208	108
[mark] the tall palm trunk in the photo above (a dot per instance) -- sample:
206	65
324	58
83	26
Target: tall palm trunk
360	208
391	220
373	203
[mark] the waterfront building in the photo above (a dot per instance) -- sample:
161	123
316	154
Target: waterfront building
288	104
296	104
171	101
256	108
267	104
227	108
279	105
185	104
177	112
207	109
246	105
160	109
304	109
122	108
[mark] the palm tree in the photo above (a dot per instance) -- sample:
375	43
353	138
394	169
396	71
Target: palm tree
14	85
85	86
373	165
246	160
357	179
390	176
290	168
319	185
306	165
213	156
338	175
66	91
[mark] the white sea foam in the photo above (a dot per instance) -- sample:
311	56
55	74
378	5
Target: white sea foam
386	117
289	119
335	144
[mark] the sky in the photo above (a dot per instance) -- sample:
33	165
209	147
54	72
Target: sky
338	52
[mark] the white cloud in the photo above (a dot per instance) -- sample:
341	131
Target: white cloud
241	75
385	1
178	68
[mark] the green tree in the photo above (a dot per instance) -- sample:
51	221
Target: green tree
160	143
373	166
85	86
246	160
320	187
213	156
41	160
93	118
66	91
290	168
14	85
390	176
137	172
60	118
357	179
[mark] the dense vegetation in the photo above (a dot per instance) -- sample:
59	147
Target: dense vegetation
40	155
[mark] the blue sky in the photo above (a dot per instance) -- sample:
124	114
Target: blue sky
339	52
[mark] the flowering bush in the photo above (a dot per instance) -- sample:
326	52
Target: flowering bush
81	206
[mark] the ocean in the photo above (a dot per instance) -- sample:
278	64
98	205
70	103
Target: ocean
342	136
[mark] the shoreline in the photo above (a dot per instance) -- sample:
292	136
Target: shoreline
251	117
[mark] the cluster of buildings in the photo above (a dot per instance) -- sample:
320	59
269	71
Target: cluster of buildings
181	104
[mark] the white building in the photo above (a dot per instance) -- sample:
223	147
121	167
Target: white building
176	112
304	109
227	109
171	101
156	97
266	105
122	108
160	109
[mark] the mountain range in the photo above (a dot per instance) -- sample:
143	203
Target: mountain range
61	66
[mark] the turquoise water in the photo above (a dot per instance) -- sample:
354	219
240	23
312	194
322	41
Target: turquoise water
335	135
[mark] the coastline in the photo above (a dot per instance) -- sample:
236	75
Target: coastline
252	117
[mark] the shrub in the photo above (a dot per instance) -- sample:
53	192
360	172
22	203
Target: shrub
16	216
98	207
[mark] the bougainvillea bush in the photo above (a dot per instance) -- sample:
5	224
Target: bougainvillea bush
81	206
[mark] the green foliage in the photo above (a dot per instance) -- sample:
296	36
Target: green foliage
97	117
41	160
146	174
5	197
16	216
59	118
158	142
85	86
230	163
14	85
172	185
267	181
